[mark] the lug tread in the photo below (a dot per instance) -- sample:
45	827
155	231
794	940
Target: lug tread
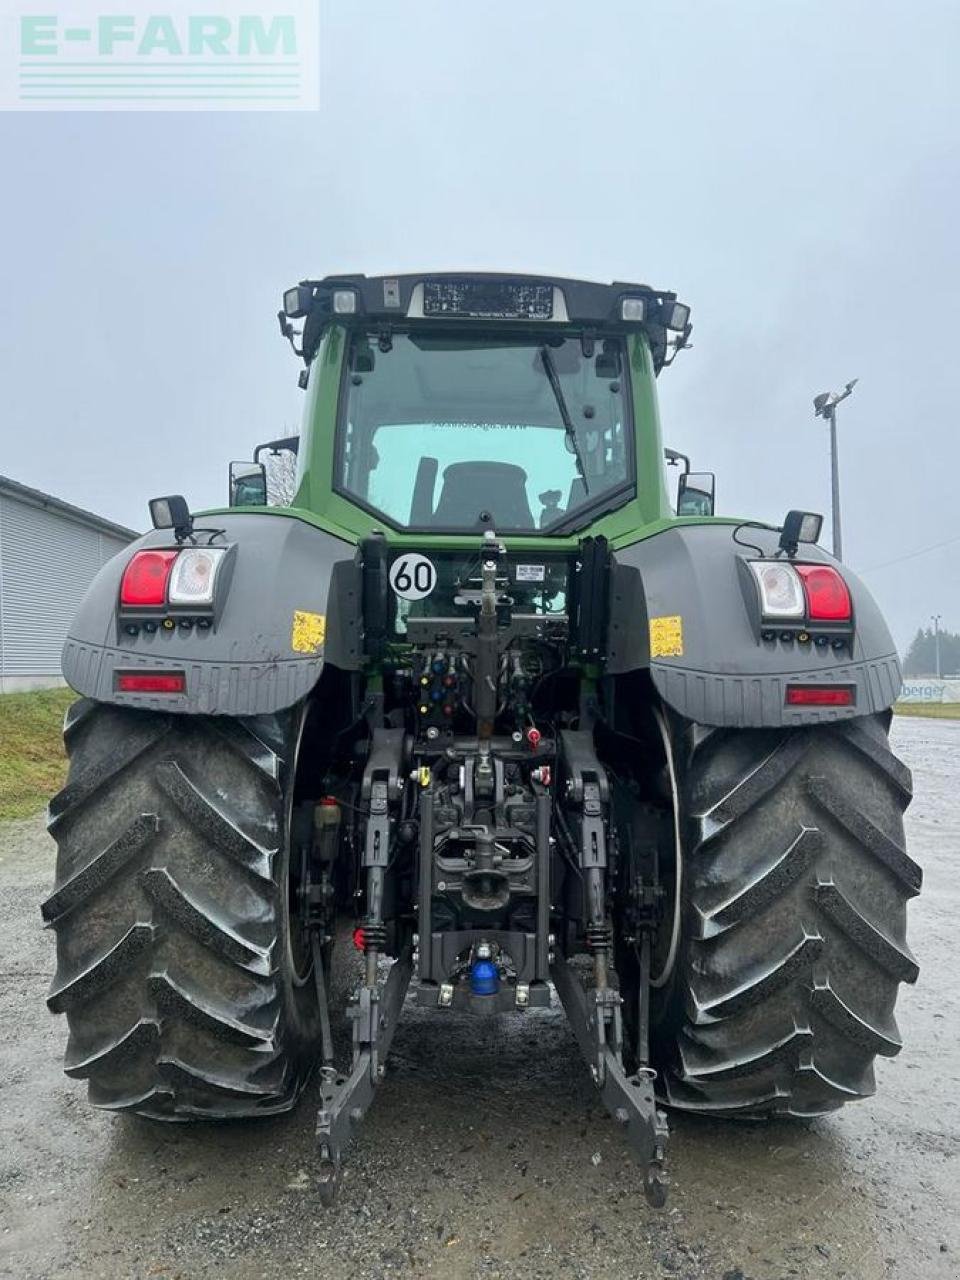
700	1065
174	1001
142	1037
102	868
893	855
897	960
69	993
851	1024
165	892
87	781
769	886
798	961
203	813
749	791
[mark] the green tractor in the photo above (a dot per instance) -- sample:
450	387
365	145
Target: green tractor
479	697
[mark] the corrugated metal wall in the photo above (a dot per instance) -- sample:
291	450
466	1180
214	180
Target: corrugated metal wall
47	562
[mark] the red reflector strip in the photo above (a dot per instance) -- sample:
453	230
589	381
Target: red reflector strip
359	939
813	695
144	579
151	682
828	599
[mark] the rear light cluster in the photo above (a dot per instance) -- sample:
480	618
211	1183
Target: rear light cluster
155	579
802	595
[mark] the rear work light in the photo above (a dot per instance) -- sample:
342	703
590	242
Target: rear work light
151	682
814	695
828	599
145	578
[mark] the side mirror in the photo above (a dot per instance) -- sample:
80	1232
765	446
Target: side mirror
248	484
696	493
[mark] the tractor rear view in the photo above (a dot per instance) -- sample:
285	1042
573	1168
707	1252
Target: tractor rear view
480	697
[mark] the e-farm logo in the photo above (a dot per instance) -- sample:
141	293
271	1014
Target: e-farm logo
160	55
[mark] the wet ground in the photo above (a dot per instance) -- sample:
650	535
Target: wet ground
486	1153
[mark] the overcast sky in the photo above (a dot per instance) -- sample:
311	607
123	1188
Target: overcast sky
789	168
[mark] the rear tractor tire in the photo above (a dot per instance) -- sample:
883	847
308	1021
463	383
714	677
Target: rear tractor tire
794	930
177	951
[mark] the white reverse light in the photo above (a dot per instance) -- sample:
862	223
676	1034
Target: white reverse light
781	591
194	575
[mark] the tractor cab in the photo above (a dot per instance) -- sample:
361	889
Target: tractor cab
448	405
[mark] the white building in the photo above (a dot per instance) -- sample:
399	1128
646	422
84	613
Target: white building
49	553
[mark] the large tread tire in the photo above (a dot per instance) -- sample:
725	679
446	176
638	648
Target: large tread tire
171	913
796	882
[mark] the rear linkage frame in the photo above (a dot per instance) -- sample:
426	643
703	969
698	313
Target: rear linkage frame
595	1015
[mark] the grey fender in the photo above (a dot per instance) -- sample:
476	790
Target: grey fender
726	674
288	602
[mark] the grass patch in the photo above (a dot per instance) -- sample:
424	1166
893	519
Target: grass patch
32	760
930	710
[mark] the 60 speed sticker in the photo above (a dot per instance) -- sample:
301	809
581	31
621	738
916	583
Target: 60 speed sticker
413	576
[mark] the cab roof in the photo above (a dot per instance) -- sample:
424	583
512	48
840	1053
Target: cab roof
469	298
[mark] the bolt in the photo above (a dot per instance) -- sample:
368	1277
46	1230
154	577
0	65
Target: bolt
416	939
356	1115
381	1071
622	1115
441	885
551	939
595	1075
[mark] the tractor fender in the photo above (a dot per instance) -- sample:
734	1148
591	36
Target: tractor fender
680	606
289	600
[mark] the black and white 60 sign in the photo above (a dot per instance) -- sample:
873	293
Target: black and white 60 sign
413	576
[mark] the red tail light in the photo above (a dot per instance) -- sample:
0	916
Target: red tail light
828	599
145	578
151	682
814	695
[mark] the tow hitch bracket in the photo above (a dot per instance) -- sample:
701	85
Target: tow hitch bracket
375	1013
595	1018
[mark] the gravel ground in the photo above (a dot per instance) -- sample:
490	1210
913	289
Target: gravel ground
486	1153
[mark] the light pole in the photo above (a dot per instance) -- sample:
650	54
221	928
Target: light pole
825	406
935	619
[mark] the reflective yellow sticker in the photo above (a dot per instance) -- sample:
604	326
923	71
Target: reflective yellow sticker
666	637
308	632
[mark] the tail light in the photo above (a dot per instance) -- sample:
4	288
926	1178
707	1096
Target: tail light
828	599
815	695
151	682
145	578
